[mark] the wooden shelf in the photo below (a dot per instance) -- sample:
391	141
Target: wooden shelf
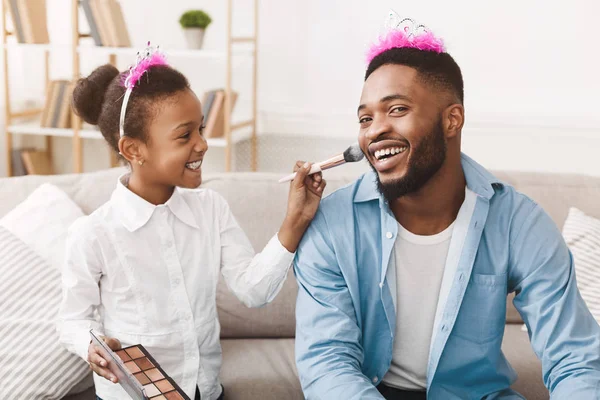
28	123
183	53
33	128
35	47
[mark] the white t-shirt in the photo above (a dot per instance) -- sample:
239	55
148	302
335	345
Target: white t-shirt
419	264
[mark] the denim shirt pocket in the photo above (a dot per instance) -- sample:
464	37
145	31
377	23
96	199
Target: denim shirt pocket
482	314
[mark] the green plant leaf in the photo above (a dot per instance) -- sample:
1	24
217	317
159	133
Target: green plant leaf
195	19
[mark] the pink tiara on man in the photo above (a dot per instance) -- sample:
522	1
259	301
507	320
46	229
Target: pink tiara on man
404	33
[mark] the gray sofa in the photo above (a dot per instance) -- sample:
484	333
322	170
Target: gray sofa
258	344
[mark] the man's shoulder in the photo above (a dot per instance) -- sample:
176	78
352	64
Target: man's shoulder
507	200
344	196
513	214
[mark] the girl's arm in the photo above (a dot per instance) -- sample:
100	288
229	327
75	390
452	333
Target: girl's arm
81	298
256	279
80	291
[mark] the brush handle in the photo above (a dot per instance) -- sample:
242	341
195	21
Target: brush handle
313	170
318	167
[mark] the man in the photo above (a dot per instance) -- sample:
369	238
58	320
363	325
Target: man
403	275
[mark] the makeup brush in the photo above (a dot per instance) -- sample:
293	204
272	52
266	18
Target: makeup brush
351	154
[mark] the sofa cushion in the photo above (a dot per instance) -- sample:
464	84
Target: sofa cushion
89	191
42	220
34	365
262	369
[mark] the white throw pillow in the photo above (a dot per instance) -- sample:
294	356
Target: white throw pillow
34	365
42	220
582	234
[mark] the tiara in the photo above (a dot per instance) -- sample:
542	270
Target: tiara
150	57
404	33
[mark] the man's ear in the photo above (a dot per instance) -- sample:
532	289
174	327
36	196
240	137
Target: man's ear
454	119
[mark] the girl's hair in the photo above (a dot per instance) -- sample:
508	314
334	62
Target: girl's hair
98	98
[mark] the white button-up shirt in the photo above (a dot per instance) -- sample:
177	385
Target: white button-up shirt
148	274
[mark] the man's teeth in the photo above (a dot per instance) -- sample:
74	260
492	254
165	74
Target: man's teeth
194	165
390	151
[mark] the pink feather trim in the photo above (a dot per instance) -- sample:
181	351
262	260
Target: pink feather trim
134	75
400	39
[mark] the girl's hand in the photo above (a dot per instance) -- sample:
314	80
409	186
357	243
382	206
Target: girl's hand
303	201
97	363
305	193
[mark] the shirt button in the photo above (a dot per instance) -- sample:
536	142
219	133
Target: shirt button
443	328
176	281
375	379
381	284
389	235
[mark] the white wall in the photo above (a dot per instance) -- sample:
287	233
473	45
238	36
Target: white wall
530	71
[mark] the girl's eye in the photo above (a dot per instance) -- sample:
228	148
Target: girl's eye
364	120
202	129
185	136
399	109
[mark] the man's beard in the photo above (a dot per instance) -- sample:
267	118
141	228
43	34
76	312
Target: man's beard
424	161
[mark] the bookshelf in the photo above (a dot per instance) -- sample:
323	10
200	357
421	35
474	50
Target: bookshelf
27	122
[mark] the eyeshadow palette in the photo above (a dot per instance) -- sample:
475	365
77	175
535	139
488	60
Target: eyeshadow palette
139	374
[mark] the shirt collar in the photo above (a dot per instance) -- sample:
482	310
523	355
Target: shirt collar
135	212
479	180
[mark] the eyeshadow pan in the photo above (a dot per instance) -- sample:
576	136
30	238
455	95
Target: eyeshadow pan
154	375
142	378
161	397
134	352
173	396
164	386
123	355
144	363
151	390
132	367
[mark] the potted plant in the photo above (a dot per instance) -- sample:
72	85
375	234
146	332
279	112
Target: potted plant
194	23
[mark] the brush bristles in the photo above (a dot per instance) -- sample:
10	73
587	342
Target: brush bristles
353	153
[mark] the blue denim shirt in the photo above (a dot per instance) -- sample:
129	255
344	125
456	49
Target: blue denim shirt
346	320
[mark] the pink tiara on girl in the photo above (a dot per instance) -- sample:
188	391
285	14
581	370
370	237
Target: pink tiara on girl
404	33
150	57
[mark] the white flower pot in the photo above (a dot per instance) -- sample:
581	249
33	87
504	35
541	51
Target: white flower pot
194	37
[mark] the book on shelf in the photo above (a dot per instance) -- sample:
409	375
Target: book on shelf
18	167
13	10
213	108
107	23
120	26
37	162
29	20
89	15
57	108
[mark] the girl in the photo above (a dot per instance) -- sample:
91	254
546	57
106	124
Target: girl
144	267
